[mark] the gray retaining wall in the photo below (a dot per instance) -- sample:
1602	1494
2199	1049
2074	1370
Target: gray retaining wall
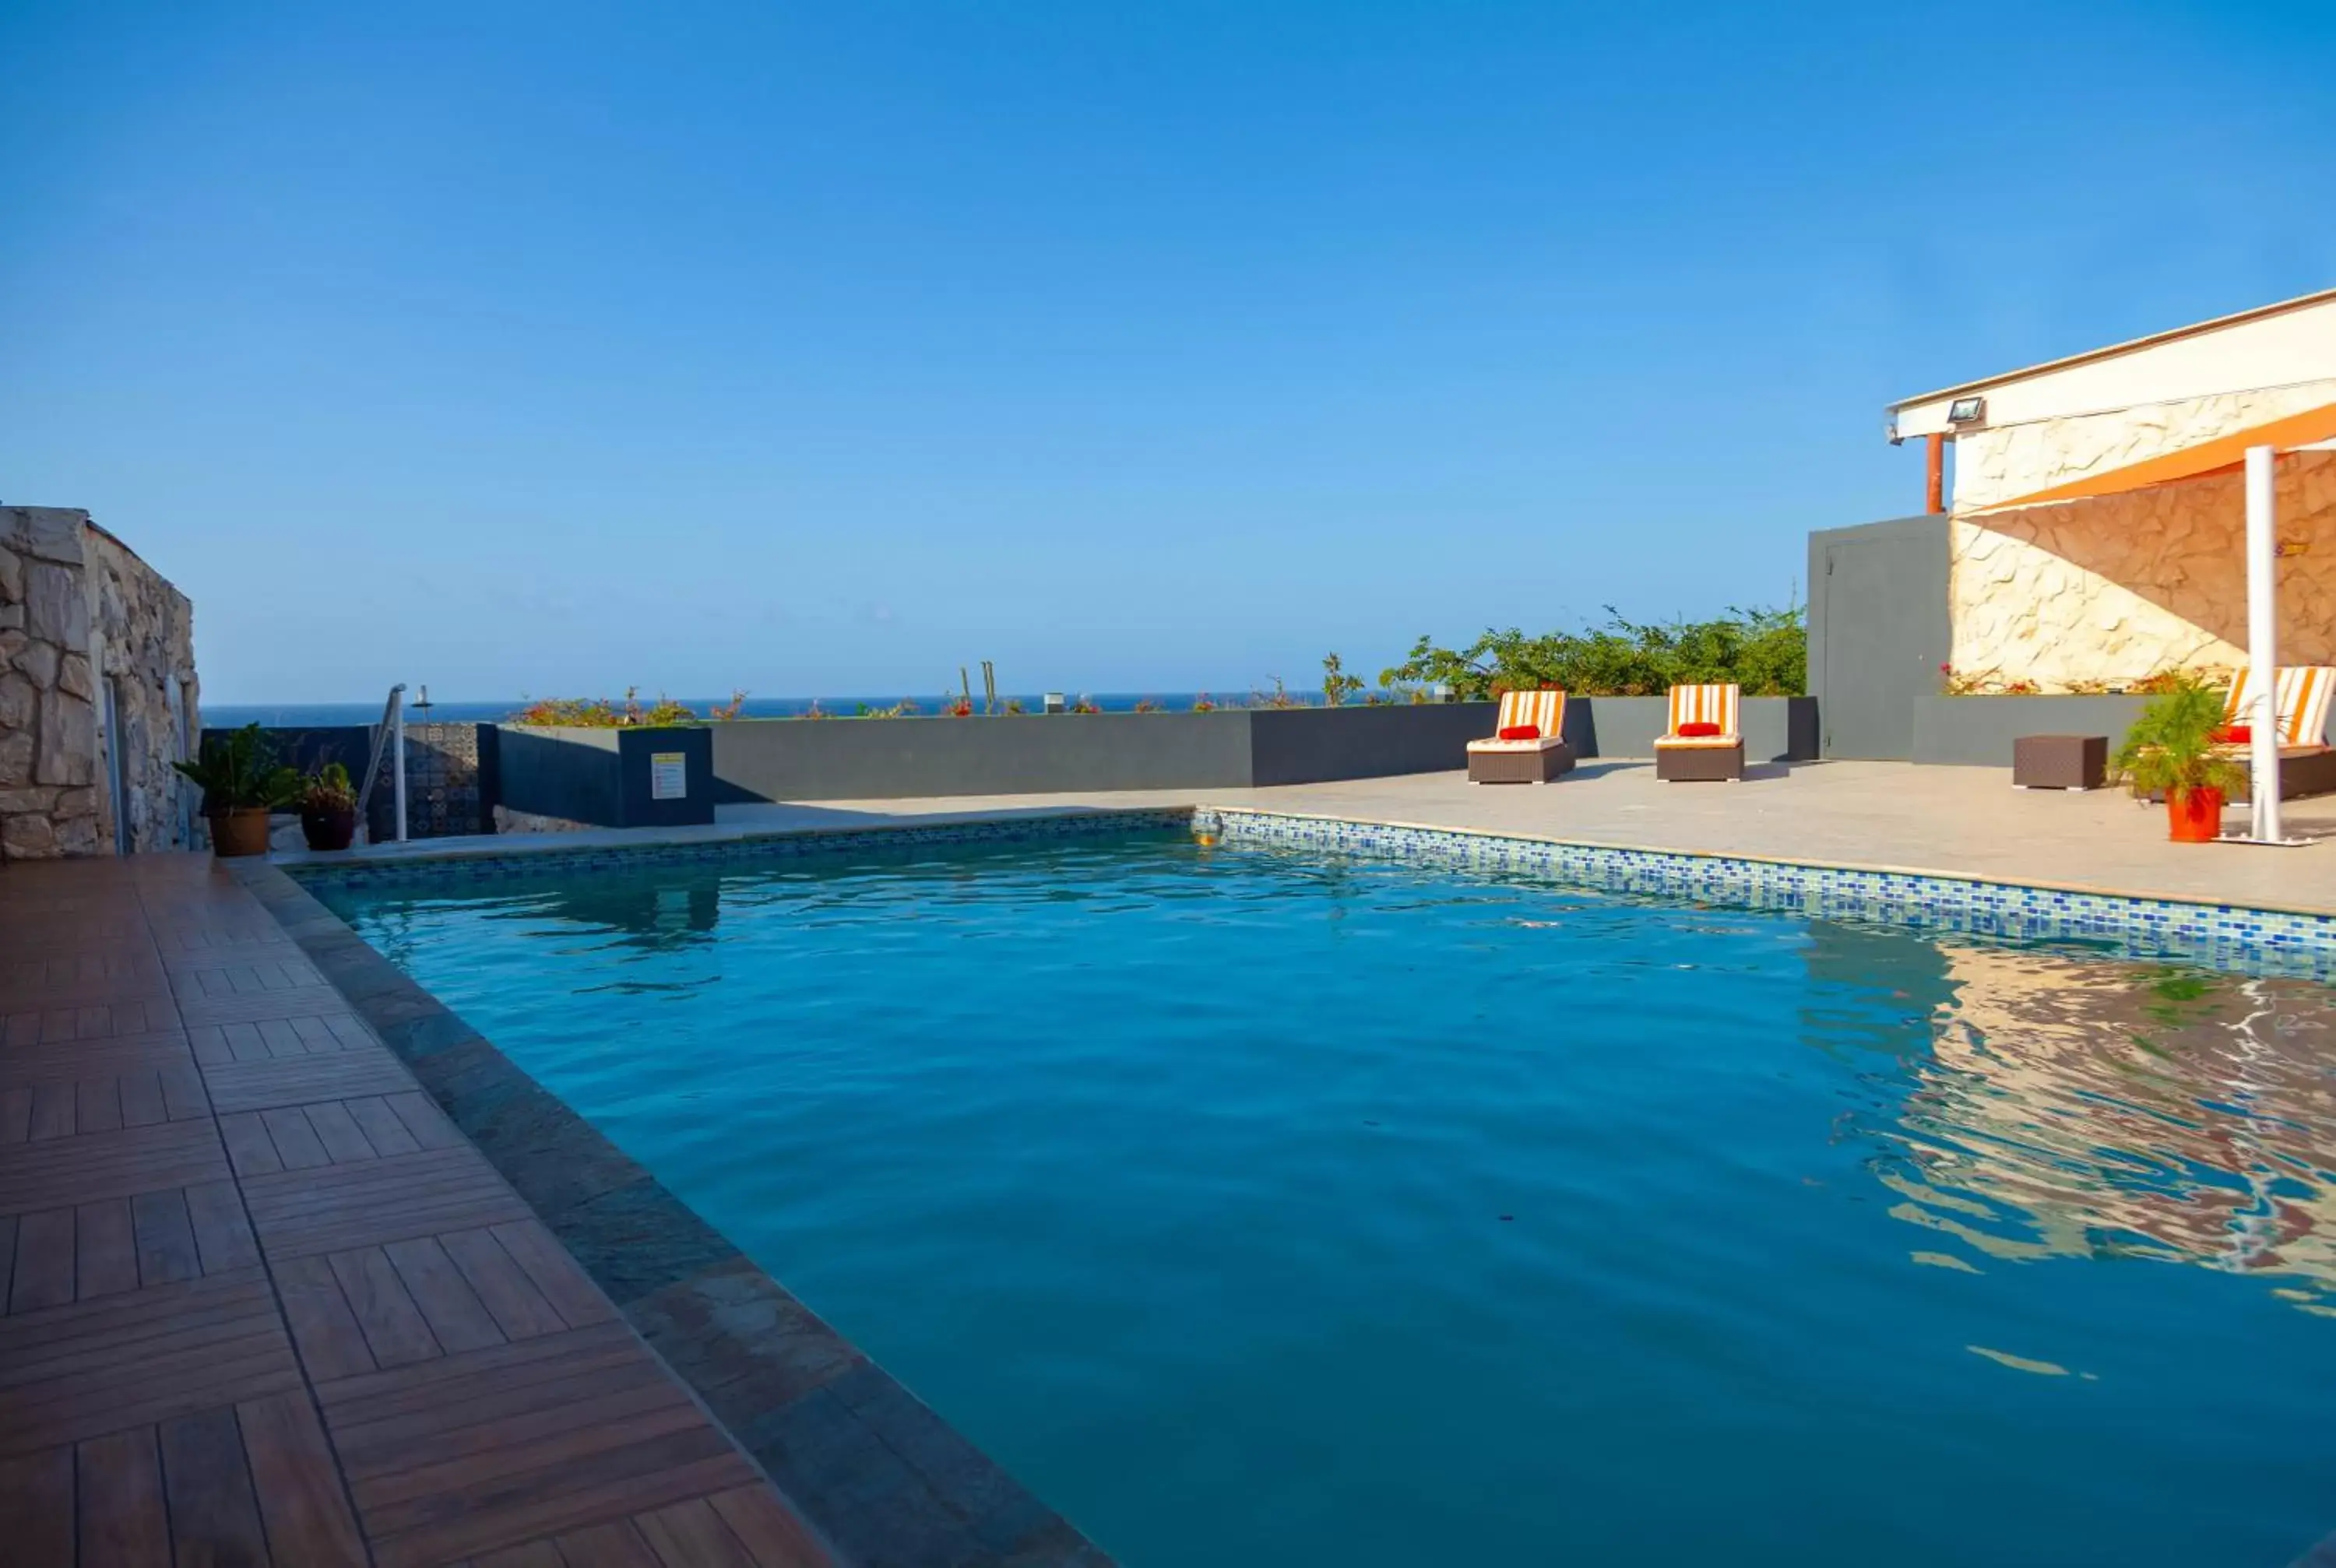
1978	731
891	758
606	776
881	759
1775	728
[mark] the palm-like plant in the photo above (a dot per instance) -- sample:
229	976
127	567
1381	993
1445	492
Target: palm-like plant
327	789
238	772
2171	750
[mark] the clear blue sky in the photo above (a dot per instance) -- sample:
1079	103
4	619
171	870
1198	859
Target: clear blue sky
825	348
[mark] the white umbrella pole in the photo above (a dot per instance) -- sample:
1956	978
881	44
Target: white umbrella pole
2262	640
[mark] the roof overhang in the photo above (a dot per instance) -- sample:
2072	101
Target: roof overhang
2271	345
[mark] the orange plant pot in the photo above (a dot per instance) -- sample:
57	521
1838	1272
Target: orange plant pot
239	831
2195	817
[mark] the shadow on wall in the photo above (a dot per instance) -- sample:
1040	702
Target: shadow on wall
617	778
2035	588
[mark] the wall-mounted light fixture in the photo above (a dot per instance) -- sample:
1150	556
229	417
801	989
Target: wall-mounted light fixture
1967	411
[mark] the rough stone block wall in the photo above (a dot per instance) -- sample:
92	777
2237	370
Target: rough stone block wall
77	608
145	644
2117	588
1995	465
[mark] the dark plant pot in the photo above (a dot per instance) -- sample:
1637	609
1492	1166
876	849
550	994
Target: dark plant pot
238	830
329	827
2195	817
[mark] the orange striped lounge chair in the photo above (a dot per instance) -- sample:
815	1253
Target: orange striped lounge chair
1521	758
2307	763
1705	741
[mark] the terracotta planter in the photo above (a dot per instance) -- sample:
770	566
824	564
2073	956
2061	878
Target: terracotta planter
2195	817
329	827
238	830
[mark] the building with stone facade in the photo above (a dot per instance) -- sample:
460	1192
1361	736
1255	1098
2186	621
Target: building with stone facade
2054	587
98	694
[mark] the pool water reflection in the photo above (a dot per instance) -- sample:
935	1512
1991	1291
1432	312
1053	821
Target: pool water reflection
1255	1207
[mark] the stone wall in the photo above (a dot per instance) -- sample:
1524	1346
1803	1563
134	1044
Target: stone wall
145	644
80	615
2115	587
1997	465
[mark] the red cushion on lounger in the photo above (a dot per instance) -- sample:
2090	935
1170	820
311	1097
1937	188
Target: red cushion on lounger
2234	734
1521	732
1698	728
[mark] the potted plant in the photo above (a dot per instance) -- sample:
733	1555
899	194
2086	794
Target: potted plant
239	788
2171	750
329	808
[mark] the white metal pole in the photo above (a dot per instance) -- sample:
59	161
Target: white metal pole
2263	639
399	744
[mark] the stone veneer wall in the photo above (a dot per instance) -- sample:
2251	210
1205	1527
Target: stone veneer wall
78	609
2117	588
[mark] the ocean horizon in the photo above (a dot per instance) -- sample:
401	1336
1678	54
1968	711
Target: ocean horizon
324	715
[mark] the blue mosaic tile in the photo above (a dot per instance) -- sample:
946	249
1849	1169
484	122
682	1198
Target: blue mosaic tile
2264	940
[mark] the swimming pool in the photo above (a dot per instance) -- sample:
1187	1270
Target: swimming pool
1255	1206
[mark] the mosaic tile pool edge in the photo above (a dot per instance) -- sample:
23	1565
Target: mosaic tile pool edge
2220	934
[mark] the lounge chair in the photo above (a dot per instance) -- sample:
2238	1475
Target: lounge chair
1704	742
2307	763
1522	758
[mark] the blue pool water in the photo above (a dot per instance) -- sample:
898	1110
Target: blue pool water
1260	1208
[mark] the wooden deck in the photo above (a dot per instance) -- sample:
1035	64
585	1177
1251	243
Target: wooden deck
263	1303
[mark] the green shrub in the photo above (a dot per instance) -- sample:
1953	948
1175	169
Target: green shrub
1765	651
2171	749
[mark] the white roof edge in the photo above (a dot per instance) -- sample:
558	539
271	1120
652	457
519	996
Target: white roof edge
2113	350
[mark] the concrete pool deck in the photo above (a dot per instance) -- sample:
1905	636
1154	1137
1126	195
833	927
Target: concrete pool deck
1949	822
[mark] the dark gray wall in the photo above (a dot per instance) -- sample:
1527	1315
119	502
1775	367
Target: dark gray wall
1978	731
1879	629
603	775
1310	745
637	754
1775	728
889	758
575	774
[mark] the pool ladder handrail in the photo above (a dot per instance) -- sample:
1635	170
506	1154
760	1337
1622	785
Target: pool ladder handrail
391	733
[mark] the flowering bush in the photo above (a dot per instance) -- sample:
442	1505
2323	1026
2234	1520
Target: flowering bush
1959	683
599	713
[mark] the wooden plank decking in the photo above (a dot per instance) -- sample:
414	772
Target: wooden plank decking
261	1303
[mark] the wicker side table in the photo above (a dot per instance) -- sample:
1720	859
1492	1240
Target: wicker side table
2060	762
